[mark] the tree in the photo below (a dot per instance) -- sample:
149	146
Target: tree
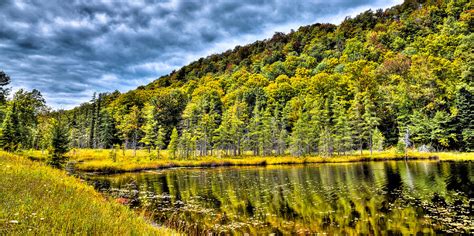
9	132
160	140
465	116
59	143
107	131
28	105
150	128
357	121
300	136
4	81
130	127
377	139
254	127
370	121
325	143
173	145
342	130
93	115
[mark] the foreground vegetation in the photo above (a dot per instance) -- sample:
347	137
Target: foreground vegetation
36	199
99	160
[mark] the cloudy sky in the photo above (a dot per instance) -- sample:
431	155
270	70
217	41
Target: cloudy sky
69	49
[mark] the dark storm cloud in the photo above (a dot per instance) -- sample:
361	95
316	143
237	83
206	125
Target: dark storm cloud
69	49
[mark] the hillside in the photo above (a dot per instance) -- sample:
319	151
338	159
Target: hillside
372	82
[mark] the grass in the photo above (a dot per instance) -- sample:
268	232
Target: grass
98	160
37	199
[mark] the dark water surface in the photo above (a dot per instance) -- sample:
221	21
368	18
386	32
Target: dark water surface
368	198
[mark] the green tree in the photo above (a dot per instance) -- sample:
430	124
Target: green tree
342	130
130	127
107	130
59	144
150	128
4	81
173	144
160	140
377	139
371	121
9	132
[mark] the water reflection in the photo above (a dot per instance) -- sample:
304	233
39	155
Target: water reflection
389	197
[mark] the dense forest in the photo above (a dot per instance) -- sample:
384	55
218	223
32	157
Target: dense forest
399	77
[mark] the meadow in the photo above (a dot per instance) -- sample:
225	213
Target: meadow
37	199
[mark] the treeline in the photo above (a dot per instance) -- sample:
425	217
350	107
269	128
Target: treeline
399	77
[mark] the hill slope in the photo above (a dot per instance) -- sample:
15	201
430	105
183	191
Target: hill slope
369	82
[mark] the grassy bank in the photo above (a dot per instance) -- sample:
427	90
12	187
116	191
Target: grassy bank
36	199
99	160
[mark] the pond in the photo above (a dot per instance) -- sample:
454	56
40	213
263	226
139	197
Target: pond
390	197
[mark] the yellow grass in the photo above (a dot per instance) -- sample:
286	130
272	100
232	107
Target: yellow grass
37	199
98	160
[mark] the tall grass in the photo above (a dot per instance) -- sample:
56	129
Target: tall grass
98	160
36	199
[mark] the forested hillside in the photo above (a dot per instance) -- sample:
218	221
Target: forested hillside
399	77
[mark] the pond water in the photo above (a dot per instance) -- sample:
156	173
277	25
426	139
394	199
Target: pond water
388	197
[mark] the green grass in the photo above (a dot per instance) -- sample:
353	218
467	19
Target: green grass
98	160
37	199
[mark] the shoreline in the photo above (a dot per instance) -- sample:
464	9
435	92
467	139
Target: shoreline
229	162
97	161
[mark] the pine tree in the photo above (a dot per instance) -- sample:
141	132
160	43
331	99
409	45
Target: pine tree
325	136
98	121
9	133
465	106
107	135
300	136
59	144
267	135
150	128
357	122
92	122
342	130
160	140
370	121
378	139
254	135
173	144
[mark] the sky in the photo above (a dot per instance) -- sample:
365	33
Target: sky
70	49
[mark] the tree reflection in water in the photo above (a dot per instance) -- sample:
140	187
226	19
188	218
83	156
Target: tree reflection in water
390	197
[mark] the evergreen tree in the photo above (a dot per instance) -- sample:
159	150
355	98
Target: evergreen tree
107	135
300	136
150	128
325	137
254	135
370	121
160	140
92	122
4	81
465	116
98	121
377	139
9	133
173	144
342	130
357	123
59	143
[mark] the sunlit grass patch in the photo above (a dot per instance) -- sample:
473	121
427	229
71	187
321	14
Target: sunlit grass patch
98	160
37	199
